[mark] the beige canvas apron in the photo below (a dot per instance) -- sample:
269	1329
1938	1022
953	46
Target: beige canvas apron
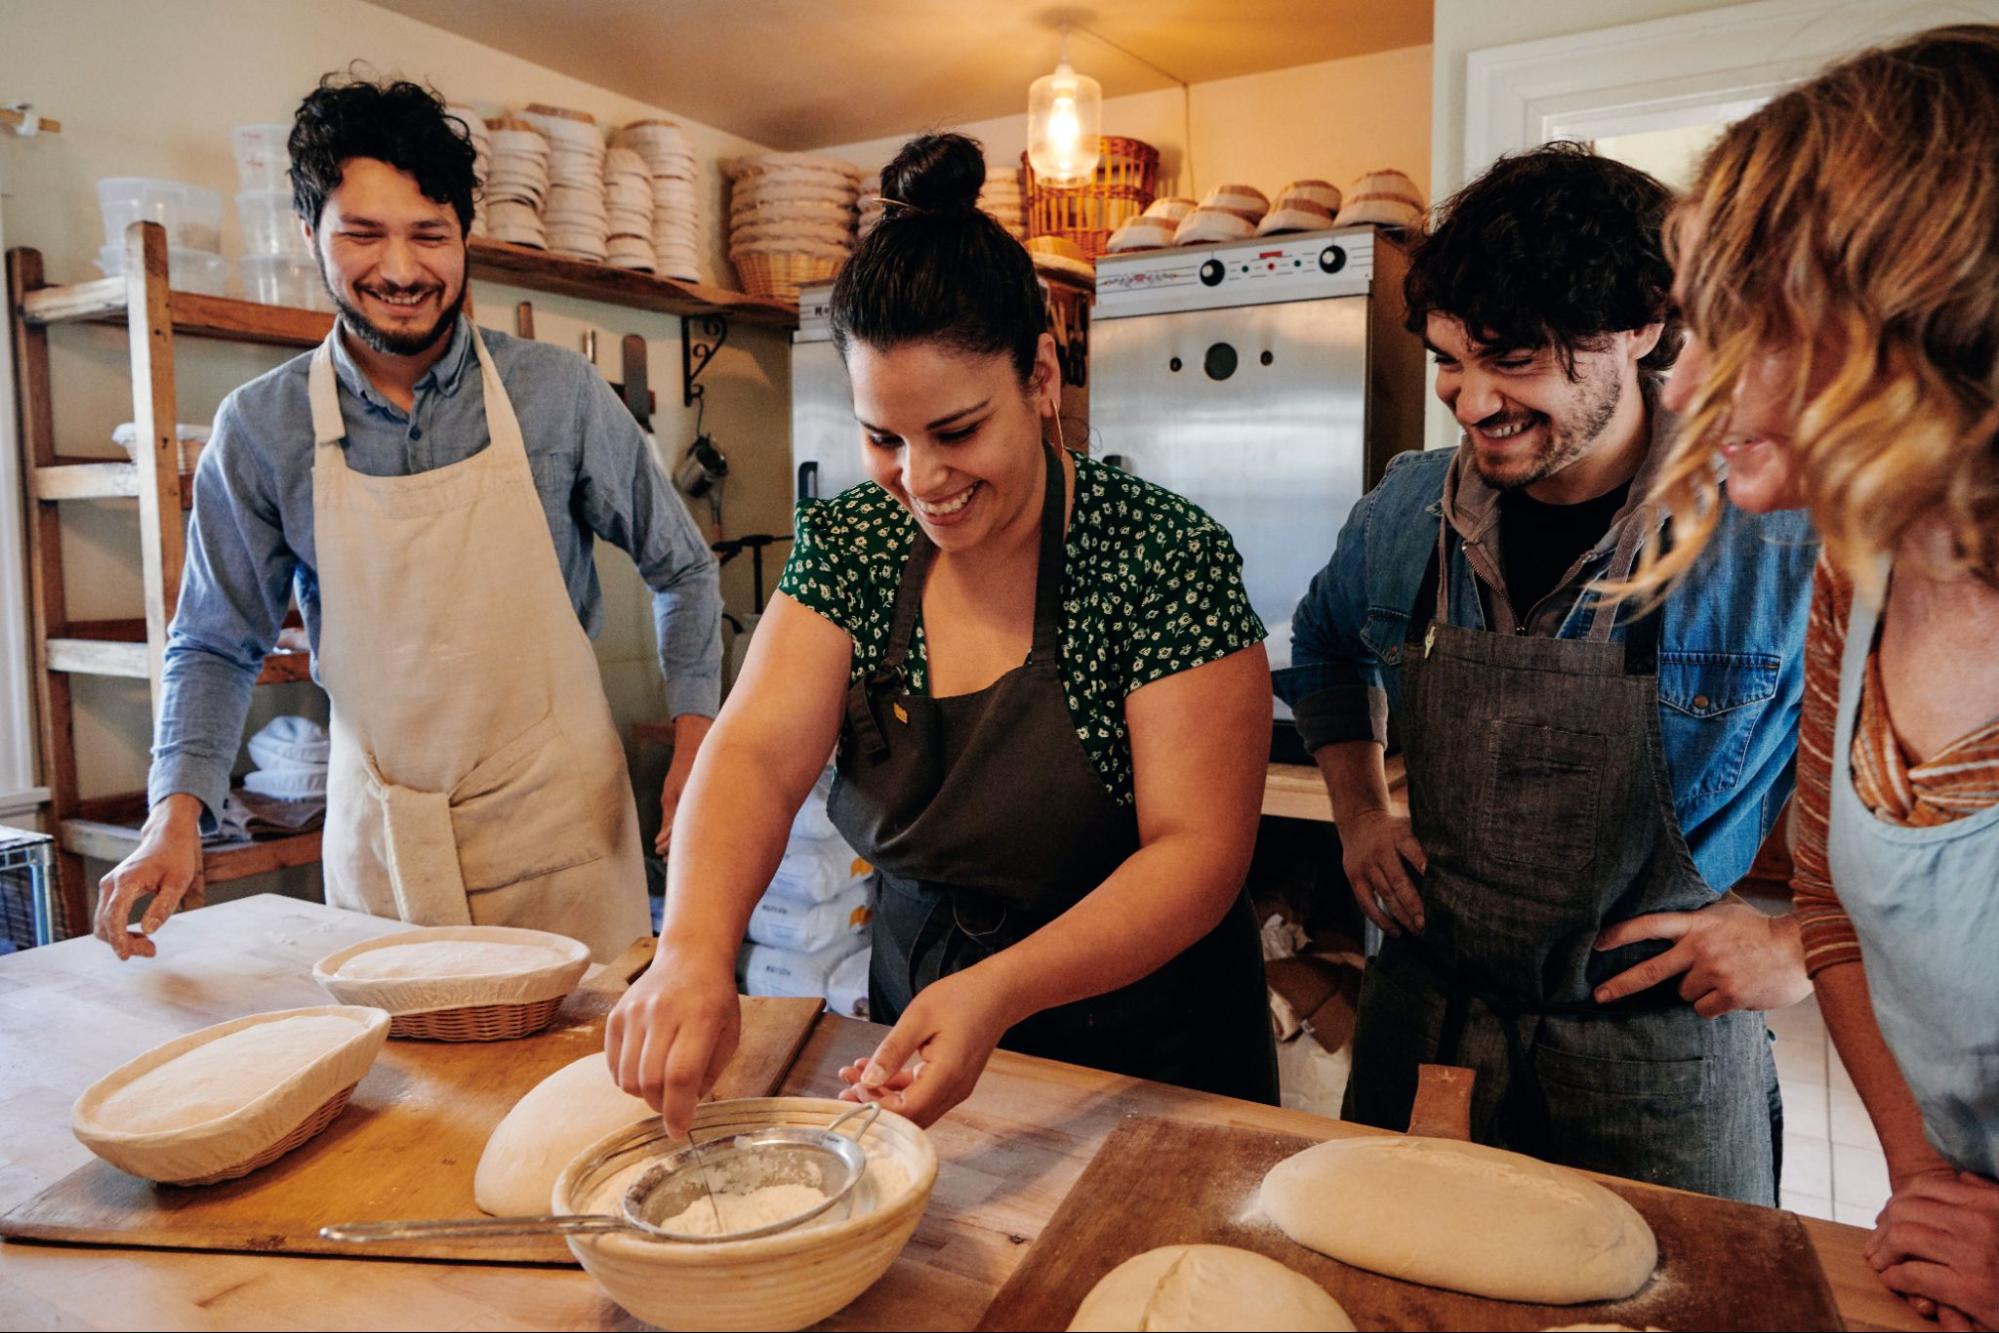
476	775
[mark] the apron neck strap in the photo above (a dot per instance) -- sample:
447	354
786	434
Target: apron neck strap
1047	579
323	392
503	428
1048	568
1641	638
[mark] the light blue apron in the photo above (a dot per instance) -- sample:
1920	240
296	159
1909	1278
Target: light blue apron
1925	904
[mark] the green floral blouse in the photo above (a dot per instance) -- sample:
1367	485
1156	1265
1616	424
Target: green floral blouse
1151	586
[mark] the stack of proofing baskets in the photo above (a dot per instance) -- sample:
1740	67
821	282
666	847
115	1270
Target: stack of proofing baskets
791	220
1126	181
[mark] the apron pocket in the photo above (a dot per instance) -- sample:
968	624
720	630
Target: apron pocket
1539	807
524	812
1618	1080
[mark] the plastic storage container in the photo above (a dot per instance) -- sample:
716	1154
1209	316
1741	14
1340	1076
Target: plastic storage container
269	225
263	162
191	215
187	270
283	280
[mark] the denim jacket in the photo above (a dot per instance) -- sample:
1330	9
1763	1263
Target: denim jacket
1731	648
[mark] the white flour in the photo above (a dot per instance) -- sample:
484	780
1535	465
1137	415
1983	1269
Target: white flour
744	1212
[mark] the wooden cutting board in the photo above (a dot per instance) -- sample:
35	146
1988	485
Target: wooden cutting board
1722	1265
406	1146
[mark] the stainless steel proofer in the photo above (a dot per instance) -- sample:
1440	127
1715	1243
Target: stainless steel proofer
1269	381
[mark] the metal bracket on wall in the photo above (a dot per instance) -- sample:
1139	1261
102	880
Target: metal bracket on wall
696	354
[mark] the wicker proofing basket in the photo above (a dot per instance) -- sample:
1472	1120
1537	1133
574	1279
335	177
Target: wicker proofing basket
779	277
470	1008
1127	180
477	1022
253	1136
789	1280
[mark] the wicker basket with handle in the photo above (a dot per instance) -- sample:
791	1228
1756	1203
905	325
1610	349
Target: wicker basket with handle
1127	180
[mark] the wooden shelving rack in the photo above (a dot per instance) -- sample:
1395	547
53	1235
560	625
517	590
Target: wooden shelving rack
142	300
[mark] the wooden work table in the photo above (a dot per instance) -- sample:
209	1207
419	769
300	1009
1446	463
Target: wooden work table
69	1012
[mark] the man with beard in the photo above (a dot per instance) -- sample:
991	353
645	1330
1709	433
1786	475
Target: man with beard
430	492
1586	778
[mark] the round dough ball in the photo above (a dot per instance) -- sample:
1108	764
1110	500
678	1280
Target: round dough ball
1188	1288
1462	1216
560	1117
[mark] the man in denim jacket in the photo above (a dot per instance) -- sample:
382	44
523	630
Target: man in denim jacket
1585	780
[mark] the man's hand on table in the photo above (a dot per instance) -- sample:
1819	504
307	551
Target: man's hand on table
670	1036
1733	957
165	864
1937	1241
931	1060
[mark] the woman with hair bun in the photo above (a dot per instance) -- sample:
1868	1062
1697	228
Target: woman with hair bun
1839	269
1050	699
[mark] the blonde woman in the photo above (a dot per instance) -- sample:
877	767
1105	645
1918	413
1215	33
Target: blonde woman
1838	265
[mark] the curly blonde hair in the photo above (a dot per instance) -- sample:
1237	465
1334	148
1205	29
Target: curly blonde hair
1853	222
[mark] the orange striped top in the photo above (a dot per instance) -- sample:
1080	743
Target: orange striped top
1960	779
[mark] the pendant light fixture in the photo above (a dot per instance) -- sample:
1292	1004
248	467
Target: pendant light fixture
1065	118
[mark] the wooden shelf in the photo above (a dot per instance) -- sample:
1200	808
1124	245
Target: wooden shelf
118	648
107	829
524	266
106	480
104	301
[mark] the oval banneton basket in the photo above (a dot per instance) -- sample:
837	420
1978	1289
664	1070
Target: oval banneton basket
497	1006
786	1281
1124	185
256	1134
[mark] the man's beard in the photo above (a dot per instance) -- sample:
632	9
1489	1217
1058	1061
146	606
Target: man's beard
1570	436
380	339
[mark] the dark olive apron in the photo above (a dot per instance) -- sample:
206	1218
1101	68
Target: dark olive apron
1539	791
987	820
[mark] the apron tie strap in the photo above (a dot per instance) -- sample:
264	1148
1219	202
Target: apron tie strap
1048	568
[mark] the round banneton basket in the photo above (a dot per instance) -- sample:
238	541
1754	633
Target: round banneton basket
786	1281
1125	183
496	1006
283	1117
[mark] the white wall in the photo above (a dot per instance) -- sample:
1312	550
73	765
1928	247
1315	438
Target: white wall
1463	26
1336	120
153	89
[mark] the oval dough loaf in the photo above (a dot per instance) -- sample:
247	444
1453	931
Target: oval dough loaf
560	1117
1187	1288
1462	1216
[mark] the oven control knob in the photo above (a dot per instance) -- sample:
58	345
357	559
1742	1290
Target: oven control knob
1211	273
1332	259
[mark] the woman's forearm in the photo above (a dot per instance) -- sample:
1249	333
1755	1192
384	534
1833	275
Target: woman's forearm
1849	1017
728	838
1164	898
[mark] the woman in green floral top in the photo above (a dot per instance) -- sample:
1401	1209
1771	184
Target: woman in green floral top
1050	703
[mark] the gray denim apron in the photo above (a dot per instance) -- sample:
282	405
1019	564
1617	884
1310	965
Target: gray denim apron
986	820
1538	789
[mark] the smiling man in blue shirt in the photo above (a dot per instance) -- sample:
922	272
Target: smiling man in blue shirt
430	493
1585	781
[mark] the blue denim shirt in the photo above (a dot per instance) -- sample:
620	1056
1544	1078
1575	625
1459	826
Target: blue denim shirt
1731	648
251	548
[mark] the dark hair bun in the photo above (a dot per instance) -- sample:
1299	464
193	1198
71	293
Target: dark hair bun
938	173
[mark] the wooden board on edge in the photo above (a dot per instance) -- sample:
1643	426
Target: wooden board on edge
405	1147
1166	1182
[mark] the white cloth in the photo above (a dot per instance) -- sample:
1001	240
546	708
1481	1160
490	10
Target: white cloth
290	744
476	775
